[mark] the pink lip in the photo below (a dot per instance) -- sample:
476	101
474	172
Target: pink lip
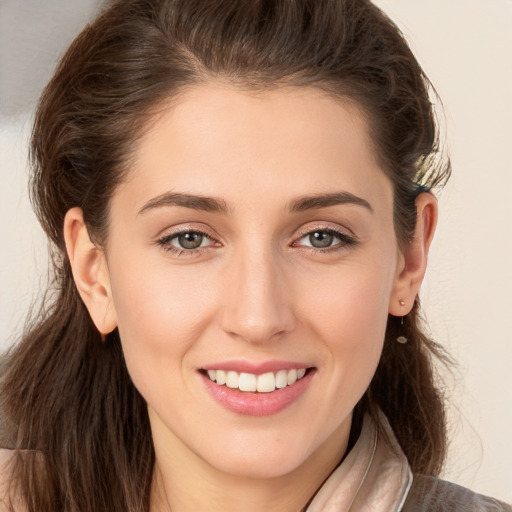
241	366
257	404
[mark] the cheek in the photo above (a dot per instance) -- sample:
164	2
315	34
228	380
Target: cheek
349	316
154	300
354	300
160	316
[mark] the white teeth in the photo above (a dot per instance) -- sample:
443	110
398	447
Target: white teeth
247	382
264	383
281	379
221	377
232	379
292	377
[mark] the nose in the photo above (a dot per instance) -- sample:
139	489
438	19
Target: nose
257	299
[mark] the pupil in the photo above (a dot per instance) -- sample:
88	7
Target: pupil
190	240
321	239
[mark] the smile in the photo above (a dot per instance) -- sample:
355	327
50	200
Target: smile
261	393
250	382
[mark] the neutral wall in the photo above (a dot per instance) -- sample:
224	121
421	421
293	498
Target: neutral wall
466	48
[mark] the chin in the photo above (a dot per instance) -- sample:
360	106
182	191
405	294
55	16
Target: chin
258	467
262	457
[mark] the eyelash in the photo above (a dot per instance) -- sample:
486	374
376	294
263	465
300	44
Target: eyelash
345	241
165	242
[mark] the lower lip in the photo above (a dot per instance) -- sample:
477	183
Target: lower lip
257	404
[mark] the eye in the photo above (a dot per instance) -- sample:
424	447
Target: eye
320	239
325	239
185	241
190	240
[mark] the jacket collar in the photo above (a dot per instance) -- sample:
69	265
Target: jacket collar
375	475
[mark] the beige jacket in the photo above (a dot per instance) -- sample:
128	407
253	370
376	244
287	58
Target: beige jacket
376	477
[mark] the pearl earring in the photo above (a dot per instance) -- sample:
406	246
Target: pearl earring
402	339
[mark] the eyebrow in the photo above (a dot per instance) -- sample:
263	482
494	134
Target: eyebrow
216	205
195	202
325	200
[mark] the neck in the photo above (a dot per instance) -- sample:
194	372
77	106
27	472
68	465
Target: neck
183	482
238	495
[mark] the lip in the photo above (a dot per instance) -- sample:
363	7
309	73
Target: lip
257	404
242	366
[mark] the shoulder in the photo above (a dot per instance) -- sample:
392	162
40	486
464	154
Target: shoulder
5	460
429	494
7	501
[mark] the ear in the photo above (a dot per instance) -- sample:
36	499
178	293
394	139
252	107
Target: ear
90	272
413	262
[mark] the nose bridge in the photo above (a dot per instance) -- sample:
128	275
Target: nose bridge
258	307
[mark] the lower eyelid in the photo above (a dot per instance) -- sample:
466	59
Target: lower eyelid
182	252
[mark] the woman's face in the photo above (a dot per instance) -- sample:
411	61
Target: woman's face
253	236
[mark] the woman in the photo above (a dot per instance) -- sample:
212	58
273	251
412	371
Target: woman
239	199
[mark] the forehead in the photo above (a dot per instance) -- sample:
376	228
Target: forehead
220	141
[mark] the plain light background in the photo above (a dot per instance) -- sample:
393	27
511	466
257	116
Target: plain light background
465	46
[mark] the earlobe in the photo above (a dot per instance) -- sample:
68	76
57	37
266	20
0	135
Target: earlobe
90	272
413	262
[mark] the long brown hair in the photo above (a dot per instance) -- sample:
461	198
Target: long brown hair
79	427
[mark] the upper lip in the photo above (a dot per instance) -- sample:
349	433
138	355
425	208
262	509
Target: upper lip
256	368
